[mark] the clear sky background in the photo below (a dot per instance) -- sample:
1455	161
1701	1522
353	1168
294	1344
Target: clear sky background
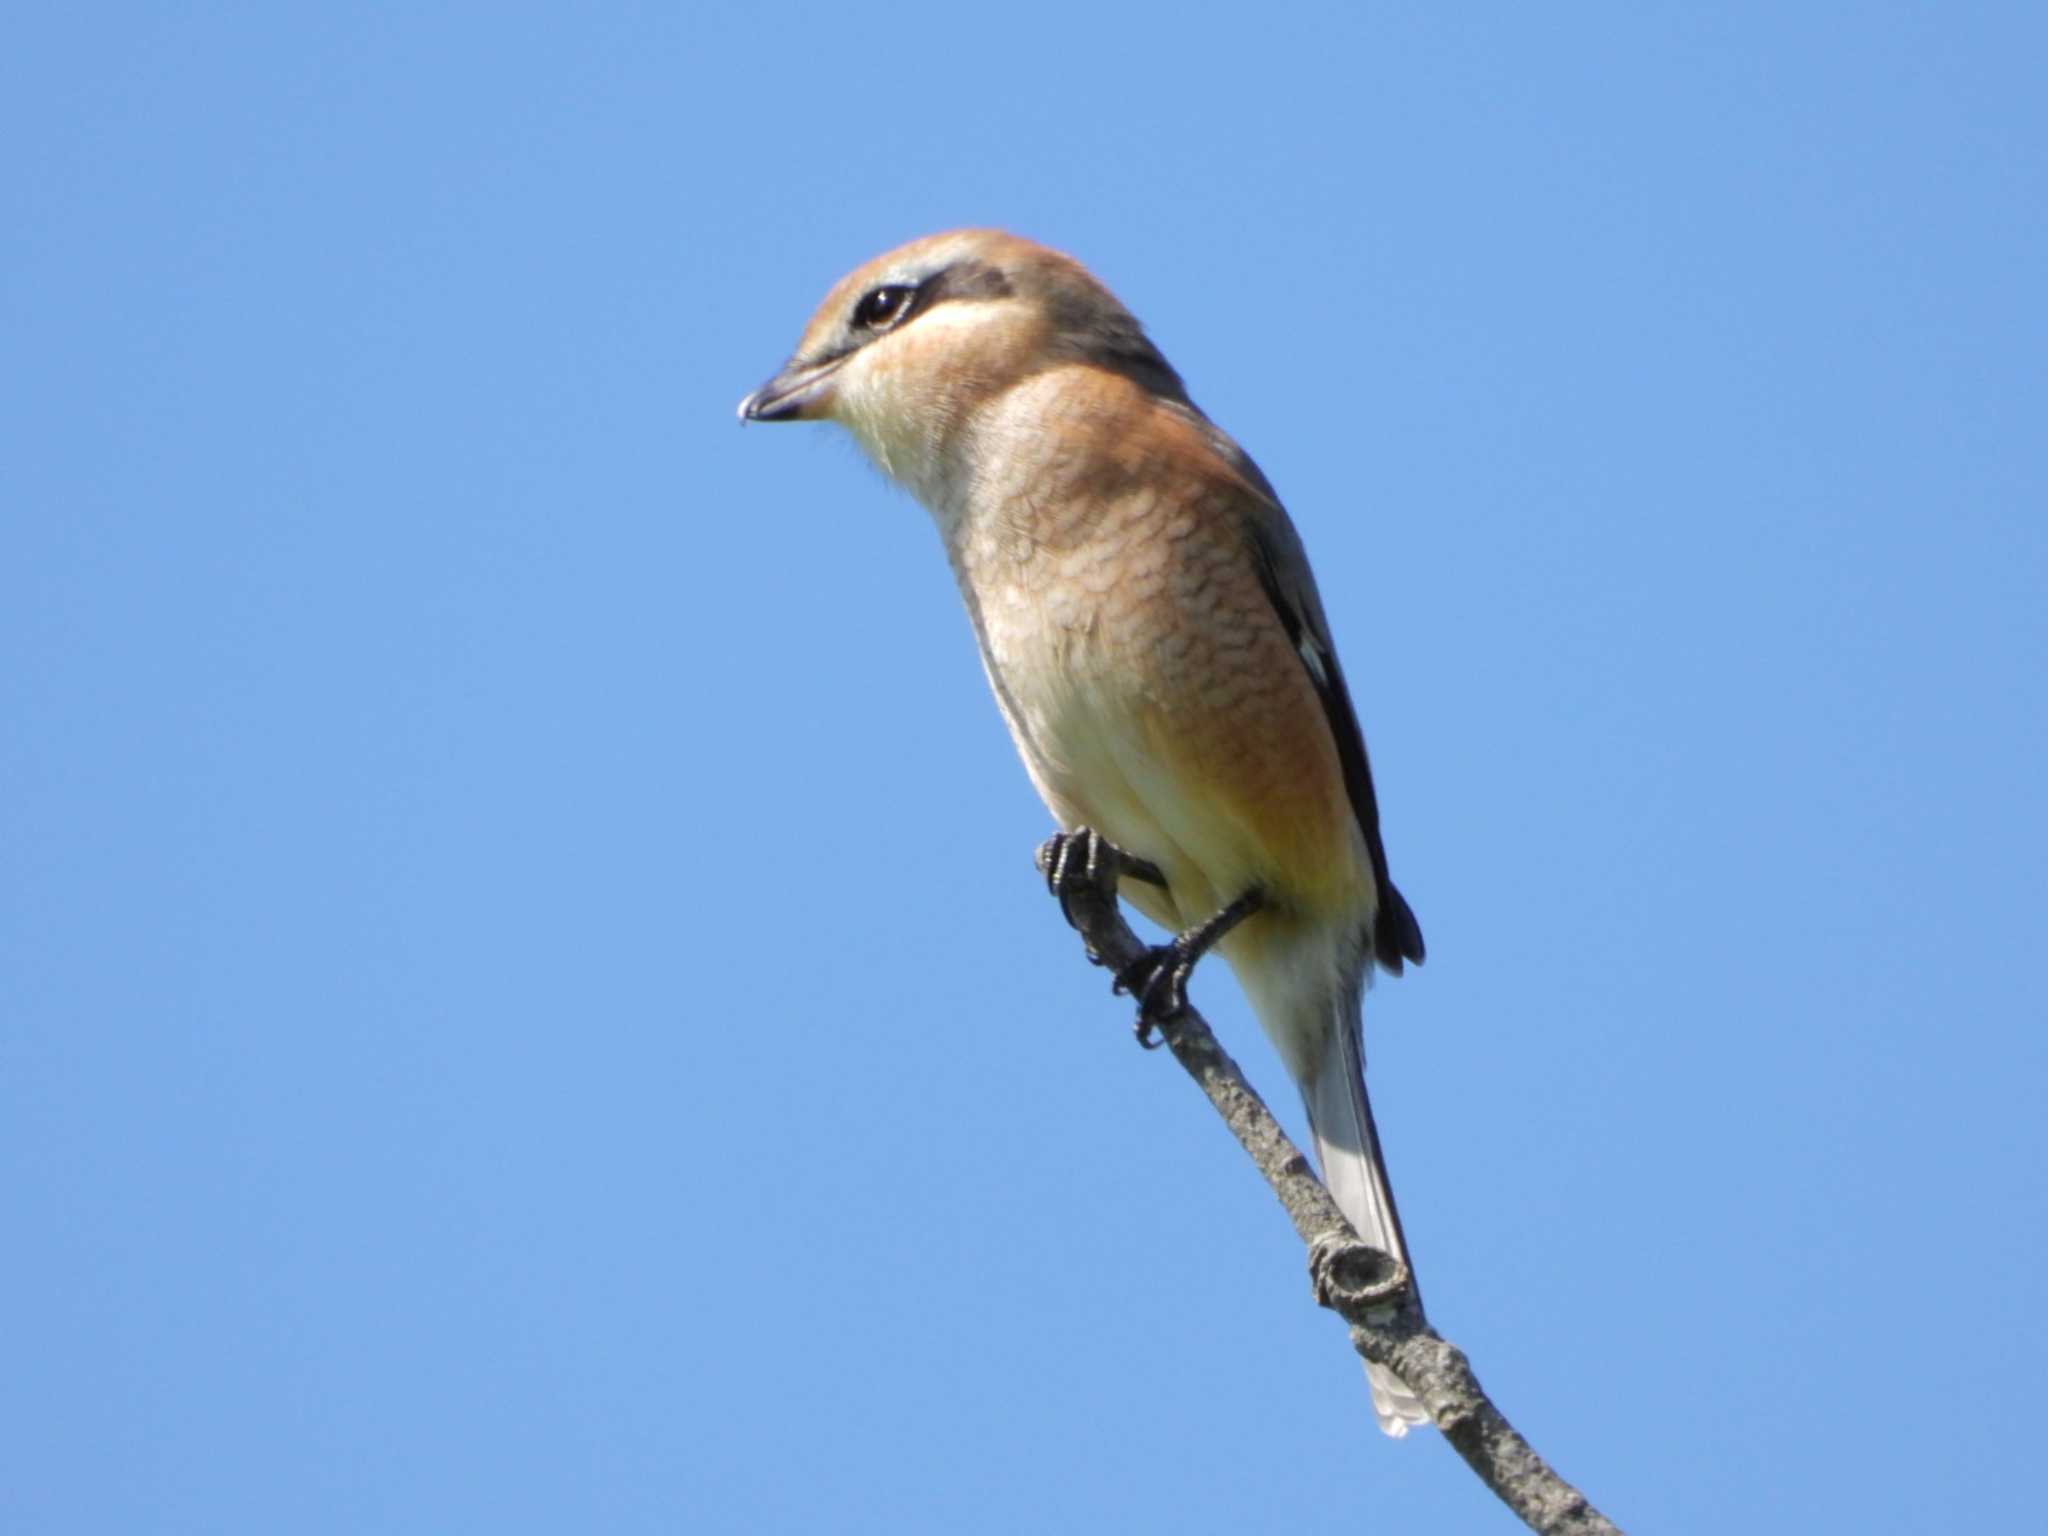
524	1005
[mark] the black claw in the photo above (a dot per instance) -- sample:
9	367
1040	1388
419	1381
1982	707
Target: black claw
1076	861
1084	860
1158	980
1051	854
1085	855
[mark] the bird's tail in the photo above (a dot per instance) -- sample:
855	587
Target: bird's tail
1348	1151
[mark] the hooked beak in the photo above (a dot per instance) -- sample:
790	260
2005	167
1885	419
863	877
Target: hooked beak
793	394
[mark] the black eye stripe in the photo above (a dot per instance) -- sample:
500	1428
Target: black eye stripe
893	304
883	306
965	280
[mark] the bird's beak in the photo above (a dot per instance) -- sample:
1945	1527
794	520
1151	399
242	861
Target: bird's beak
799	392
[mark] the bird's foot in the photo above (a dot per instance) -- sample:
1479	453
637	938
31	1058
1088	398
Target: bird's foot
1083	866
1158	978
1084	861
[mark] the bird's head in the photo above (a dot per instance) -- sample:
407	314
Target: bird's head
905	349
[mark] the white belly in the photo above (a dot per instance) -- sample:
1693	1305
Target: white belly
1075	715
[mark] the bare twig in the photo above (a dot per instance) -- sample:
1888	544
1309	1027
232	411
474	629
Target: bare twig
1362	1285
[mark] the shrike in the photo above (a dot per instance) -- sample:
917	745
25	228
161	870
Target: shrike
1150	627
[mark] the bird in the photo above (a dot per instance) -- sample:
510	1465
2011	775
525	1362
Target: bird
1153	635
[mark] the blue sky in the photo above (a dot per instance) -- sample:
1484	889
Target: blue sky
526	1006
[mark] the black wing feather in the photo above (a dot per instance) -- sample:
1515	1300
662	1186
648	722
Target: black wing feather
1396	936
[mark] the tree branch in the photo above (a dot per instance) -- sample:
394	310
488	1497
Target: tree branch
1364	1286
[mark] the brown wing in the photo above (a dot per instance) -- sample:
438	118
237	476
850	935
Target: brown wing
1284	573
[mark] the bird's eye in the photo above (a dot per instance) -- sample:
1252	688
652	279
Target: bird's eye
882	306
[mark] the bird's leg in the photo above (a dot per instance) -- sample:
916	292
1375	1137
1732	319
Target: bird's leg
1158	979
1084	863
